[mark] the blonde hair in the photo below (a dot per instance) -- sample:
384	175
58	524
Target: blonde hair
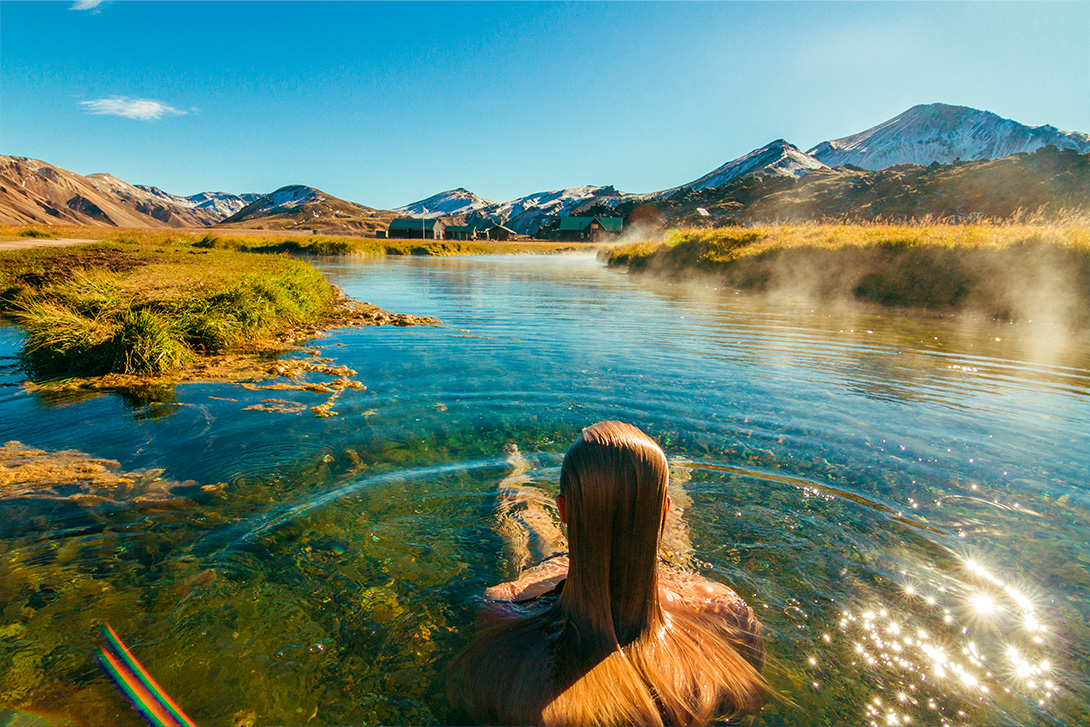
607	651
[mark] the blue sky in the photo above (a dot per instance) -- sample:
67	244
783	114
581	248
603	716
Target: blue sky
385	104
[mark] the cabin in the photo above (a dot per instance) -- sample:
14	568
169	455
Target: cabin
416	229
590	229
499	232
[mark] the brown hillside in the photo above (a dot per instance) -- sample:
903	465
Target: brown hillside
174	215
299	208
33	192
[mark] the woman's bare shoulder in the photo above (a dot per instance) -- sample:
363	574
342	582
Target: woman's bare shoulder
680	589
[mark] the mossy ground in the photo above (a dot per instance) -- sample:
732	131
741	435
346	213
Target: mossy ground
139	318
139	310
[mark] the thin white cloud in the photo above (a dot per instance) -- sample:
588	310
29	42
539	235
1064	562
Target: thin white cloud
86	4
142	109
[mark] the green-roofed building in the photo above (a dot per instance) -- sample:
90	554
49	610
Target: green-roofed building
590	229
414	229
460	232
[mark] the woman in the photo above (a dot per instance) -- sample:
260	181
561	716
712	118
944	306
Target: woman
607	635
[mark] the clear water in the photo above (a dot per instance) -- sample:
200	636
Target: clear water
902	498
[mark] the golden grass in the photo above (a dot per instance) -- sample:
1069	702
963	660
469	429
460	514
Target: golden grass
283	241
728	243
997	268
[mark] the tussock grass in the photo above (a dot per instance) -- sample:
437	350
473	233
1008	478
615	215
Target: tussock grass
128	309
994	267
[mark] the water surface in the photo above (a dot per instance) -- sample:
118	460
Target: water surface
901	497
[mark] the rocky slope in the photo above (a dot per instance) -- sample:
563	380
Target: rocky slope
32	191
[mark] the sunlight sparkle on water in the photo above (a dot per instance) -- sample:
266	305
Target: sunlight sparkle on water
910	646
983	605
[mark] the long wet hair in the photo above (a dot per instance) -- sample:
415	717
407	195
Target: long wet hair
606	651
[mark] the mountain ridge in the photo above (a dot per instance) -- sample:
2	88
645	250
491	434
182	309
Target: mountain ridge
923	134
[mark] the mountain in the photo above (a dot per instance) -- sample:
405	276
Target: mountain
171	209
743	189
941	133
219	204
453	203
778	159
1047	179
524	215
298	207
32	191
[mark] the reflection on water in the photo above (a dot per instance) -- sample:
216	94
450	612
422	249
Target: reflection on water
902	498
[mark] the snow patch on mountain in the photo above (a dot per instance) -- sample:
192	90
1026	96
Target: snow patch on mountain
110	184
938	132
777	159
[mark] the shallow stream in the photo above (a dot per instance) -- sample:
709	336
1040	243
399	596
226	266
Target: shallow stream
903	498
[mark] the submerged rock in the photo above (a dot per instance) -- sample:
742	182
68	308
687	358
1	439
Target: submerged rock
71	475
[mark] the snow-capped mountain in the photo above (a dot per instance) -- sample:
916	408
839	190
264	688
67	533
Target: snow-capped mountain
219	203
298	207
937	132
285	199
778	159
168	208
446	204
206	208
526	215
523	215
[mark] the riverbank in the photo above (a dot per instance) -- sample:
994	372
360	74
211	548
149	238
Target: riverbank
1006	271
126	316
266	241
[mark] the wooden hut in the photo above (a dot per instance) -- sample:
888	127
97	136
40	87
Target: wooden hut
499	232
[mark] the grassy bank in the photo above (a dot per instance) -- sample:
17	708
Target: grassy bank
147	310
1011	271
266	241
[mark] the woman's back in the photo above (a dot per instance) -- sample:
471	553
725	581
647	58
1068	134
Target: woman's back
620	640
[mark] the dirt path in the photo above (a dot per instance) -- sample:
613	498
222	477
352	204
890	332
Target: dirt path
26	243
